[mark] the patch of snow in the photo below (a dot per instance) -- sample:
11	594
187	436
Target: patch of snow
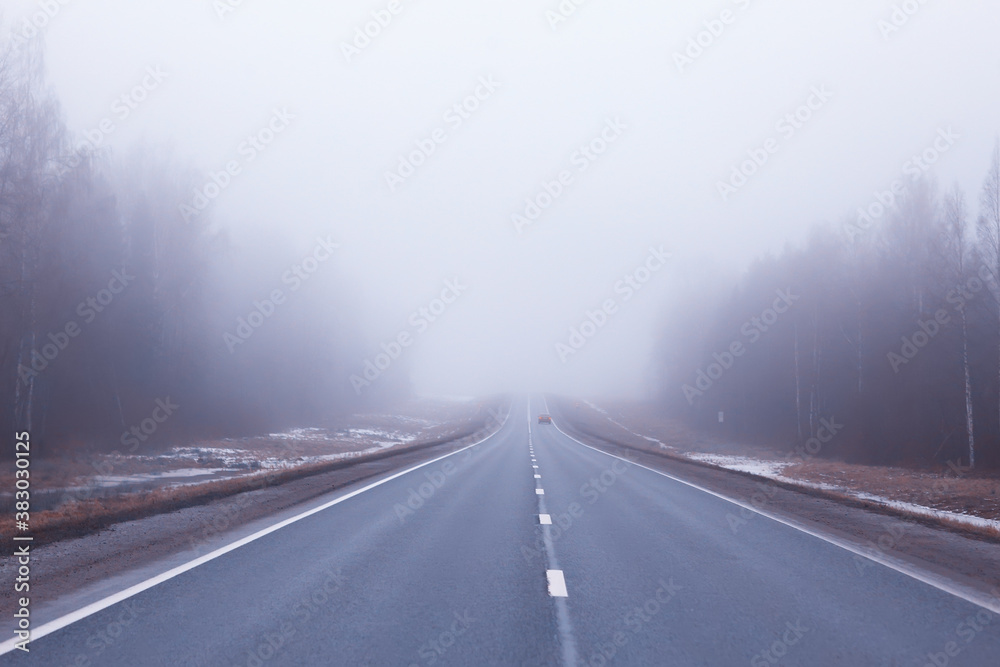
770	469
416	420
115	480
229	457
380	437
928	511
301	434
662	444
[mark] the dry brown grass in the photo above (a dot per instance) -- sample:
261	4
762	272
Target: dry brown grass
82	517
977	494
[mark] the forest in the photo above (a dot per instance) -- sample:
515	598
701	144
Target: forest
876	341
114	303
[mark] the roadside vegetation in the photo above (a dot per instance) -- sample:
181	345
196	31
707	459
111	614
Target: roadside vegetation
886	322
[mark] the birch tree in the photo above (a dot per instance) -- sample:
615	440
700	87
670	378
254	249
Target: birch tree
989	240
956	247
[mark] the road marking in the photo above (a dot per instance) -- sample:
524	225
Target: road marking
567	641
540	492
100	605
966	593
538	476
545	519
557	584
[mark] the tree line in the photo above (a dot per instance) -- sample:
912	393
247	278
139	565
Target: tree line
880	335
112	305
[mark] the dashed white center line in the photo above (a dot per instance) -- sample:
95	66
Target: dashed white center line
557	584
554	575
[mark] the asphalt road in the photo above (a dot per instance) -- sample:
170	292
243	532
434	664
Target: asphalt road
450	564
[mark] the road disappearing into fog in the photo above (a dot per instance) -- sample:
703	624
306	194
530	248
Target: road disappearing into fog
528	548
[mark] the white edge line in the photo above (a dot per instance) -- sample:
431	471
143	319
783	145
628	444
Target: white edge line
111	600
969	595
557	584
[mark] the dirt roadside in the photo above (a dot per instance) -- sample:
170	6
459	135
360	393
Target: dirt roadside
66	566
967	557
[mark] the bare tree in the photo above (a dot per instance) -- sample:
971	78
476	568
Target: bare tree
956	248
989	237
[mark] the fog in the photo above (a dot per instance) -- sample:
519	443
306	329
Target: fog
672	129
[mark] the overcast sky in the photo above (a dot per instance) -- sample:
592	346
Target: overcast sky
679	126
